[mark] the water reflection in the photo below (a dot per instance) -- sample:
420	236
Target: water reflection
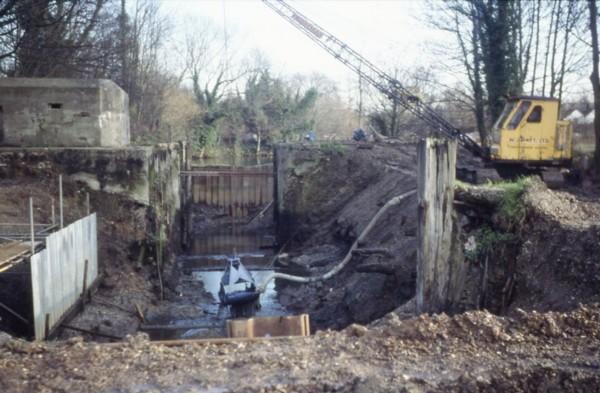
205	263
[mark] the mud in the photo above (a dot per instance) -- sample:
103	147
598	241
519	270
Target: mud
128	277
194	309
337	195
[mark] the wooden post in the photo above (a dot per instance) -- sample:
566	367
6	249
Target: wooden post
46	326
437	168
84	287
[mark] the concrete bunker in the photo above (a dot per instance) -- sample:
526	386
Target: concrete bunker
55	112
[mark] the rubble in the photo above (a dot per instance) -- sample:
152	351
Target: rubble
437	353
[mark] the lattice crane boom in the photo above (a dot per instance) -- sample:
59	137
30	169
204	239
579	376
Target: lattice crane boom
389	86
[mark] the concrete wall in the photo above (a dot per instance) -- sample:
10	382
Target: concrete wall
144	174
41	112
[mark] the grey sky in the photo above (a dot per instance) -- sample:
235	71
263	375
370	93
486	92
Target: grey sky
387	32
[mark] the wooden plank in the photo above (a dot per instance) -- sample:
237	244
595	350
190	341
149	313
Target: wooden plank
207	341
203	187
221	191
437	168
195	189
294	325
214	183
228	198
245	195
12	250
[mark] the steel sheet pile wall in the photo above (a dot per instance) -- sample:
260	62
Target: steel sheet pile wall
234	189
57	272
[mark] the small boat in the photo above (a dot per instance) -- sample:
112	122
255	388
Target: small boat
237	285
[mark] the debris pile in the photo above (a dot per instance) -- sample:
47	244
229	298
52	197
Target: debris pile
474	351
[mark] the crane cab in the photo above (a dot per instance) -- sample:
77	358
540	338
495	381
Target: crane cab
528	132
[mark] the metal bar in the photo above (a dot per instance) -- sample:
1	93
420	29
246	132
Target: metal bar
84	290
77	329
230	173
21	224
15	314
22	236
181	327
32	227
220	269
87	203
60	198
53	212
46	229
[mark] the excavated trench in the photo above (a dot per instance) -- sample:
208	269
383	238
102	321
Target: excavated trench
197	311
553	265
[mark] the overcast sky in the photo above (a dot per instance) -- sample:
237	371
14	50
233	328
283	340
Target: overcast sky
385	32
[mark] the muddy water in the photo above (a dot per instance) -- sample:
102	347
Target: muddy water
201	270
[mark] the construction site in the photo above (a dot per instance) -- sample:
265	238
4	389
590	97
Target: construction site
430	261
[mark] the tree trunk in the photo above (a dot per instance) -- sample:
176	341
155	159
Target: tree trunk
547	54
258	141
478	93
595	79
553	78
537	45
563	63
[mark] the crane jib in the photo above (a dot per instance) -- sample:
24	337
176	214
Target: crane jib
389	86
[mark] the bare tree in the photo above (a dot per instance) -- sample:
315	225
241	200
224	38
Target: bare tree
595	76
51	37
146	79
536	17
462	21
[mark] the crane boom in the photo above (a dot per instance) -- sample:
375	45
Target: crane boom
389	86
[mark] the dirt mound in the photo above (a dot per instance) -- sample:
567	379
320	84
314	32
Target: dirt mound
558	264
563	207
335	193
476	351
484	327
536	249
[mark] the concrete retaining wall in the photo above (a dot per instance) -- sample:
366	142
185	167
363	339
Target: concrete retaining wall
145	178
148	175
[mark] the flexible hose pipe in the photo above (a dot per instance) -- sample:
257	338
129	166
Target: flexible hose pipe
392	202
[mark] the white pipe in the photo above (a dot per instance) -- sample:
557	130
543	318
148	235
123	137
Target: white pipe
392	202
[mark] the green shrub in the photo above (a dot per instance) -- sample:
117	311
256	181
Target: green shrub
486	240
332	147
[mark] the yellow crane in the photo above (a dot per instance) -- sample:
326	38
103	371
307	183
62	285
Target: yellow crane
529	133
528	136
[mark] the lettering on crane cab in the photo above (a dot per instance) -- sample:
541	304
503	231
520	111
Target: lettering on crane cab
529	140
